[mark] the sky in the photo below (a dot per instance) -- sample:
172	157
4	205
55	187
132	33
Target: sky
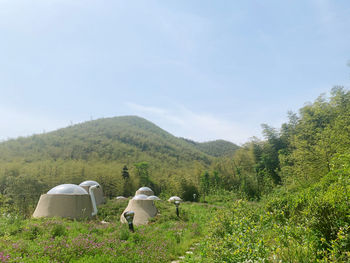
199	69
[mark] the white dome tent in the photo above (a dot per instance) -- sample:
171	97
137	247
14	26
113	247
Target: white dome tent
140	197
153	197
67	200
69	189
143	207
145	191
174	198
98	192
121	198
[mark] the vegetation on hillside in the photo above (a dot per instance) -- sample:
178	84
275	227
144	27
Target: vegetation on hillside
100	150
300	173
217	148
281	199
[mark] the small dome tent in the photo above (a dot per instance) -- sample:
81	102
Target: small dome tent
121	198
154	198
98	192
69	189
145	191
140	197
141	206
174	198
67	200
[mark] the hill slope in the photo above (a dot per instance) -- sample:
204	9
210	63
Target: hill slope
99	149
217	148
116	138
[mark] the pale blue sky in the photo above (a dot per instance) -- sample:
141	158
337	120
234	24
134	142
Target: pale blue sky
199	69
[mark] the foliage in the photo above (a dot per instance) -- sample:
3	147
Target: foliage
289	225
128	184
61	240
217	148
205	184
98	150
315	137
293	189
142	172
235	236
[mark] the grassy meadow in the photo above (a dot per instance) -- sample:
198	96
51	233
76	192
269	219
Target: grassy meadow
104	239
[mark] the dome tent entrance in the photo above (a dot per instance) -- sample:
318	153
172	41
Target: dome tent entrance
98	192
142	207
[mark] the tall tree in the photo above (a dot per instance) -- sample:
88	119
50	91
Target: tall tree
125	173
143	173
127	186
205	183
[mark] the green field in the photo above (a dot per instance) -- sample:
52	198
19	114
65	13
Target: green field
164	239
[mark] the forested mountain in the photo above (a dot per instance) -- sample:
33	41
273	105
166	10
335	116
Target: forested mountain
120	138
101	150
217	148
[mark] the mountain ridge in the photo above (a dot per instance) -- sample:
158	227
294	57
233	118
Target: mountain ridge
129	131
99	150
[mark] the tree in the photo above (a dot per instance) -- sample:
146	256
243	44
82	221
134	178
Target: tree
127	186
205	184
143	173
269	160
313	138
125	173
188	190
216	180
24	192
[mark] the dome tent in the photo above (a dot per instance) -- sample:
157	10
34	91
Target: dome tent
174	198
145	191
67	189
121	198
154	198
140	197
143	209
66	200
141	206
98	192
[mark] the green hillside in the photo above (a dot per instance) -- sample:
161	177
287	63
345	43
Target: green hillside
119	138
99	150
218	148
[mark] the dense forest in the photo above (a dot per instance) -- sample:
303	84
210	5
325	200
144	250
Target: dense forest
300	173
286	197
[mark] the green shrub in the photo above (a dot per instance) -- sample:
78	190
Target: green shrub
58	230
32	232
235	236
124	234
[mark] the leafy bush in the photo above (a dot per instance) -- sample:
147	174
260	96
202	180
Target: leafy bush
235	236
58	230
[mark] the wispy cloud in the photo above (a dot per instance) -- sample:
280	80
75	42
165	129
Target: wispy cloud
198	126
